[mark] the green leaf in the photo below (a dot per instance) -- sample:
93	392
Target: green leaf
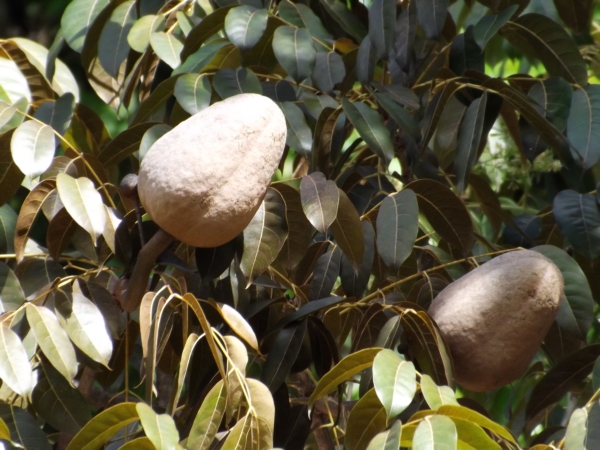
578	219
32	147
83	202
435	395
488	25
348	231
539	37
264	236
320	199
387	440
583	125
579	302
128	141
153	134
15	369
576	430
167	47
159	428
208	27
366	420
302	16
229	82
435	433
283	354
139	35
6	113
8	224
435	109
60	404
24	428
562	378
105	425
431	15
471	436
329	71
463	413
344	370
469	141
370	127
395	382
207	421
325	274
397	227
193	92
113	47
10	175
77	19
53	340
86	327
344	18
11	294
141	443
245	26
354	282
299	136
382	22
309	308
295	51
57	114
365	61
402	118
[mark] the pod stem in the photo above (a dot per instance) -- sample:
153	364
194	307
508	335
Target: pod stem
143	266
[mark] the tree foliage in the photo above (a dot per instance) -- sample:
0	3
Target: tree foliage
424	137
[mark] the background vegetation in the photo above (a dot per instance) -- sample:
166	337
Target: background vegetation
478	121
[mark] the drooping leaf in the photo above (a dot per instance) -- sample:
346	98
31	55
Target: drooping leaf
237	324
167	47
446	213
229	82
435	395
60	404
469	141
11	293
540	37
302	16
435	433
465	54
299	135
329	71
245	26
159	428
139	34
112	45
15	369
325	274
395	382
77	19
397	227
346	368
264	236
283	354
489	25
387	440
32	147
382	23
405	33
431	15
584	124
366	420
344	18
370	127
295	51
83	202
207	421
433	113
105	425
365	61
320	199
578	218
348	231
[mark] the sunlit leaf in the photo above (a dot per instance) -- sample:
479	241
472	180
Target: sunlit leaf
395	382
193	92
435	395
167	47
387	440
460	412
83	202
320	200
112	45
32	147
238	435
139	35
245	26
435	433
77	19
576	430
210	25
11	293
367	419
295	51
159	428
237	324
15	369
207	421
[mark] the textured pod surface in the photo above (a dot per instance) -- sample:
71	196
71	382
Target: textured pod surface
495	317
203	181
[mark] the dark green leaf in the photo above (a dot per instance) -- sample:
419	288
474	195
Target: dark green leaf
229	82
299	135
434	111
348	231
295	51
370	127
344	18
325	274
8	224
306	310
245	26
125	143
405	33
264	236
399	94
366	420
283	354
152	135
489	25
112	45
23	427
325	147
209	26
465	53
302	16
469	141
212	262
200	59
402	118
355	282
446	213
382	22
432	16
365	61
583	126
541	38
579	301
320	200
329	71
563	377
578	219
397	227
77	18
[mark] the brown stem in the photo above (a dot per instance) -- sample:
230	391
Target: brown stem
143	266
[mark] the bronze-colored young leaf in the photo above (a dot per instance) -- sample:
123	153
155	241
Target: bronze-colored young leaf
10	175
348	231
264	236
320	199
61	229
446	213
367	419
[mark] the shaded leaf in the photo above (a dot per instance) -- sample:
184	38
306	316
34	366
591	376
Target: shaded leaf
212	262
431	15
302	16
112	45
264	236
344	18
469	141
32	147
489	25
366	420
382	23
299	134
10	174
365	61
584	124
329	71
208	27
23	427
325	274
283	354
151	136
295	51
245	26
320	199
395	382
128	141
576	15
159	428
61	229
397	227
207	421
37	273
77	19
402	118
193	92
354	282
229	82
348	231
465	54
167	47
435	433
15	369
